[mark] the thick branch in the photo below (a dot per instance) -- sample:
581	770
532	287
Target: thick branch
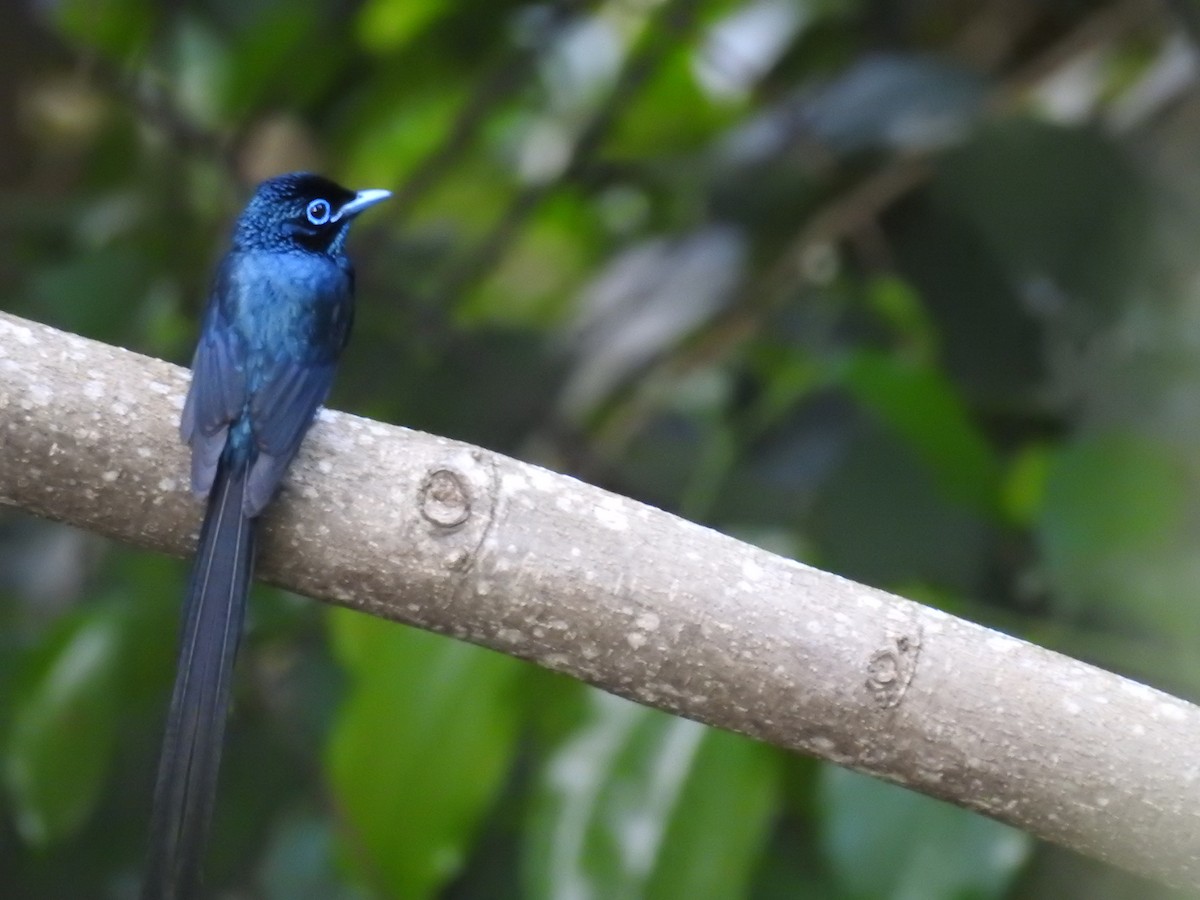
466	542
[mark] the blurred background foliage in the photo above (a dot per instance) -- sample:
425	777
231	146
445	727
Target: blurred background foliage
908	290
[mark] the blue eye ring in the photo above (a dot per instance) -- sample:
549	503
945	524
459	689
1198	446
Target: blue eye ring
318	211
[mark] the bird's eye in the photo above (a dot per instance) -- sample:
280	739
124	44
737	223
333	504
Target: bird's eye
317	212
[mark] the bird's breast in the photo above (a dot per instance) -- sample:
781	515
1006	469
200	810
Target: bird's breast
290	308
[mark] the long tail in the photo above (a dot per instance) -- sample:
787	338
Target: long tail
191	751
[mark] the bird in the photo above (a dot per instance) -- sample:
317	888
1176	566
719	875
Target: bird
277	319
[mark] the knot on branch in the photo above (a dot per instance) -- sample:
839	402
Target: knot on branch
445	498
890	669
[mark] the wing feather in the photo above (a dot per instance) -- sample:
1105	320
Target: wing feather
281	412
217	393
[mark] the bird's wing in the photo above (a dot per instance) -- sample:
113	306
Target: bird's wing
281	411
217	393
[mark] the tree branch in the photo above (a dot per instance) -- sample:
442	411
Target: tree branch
466	542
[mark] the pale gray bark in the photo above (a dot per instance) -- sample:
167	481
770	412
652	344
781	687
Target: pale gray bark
466	542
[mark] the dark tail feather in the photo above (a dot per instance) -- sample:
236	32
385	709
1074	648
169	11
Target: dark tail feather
191	751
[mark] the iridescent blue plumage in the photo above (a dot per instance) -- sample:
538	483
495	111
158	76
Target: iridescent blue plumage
277	319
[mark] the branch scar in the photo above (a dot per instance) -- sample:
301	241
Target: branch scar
890	669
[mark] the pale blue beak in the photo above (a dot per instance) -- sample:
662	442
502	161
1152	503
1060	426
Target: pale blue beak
361	201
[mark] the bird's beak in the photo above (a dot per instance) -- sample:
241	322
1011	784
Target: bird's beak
361	201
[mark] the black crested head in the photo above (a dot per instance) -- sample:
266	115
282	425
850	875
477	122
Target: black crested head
301	211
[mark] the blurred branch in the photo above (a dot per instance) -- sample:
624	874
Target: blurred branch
154	108
672	20
491	91
856	209
1103	27
461	541
1187	13
990	35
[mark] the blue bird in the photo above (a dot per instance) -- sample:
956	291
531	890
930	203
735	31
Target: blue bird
277	319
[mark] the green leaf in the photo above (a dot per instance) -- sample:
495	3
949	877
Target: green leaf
536	277
284	57
96	292
1113	494
636	803
115	27
733	779
1025	484
883	841
881	517
64	730
898	303
1054	202
1112	528
387	25
388	140
671	115
921	404
200	59
418	751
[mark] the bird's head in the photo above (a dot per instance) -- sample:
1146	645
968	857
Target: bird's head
301	210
